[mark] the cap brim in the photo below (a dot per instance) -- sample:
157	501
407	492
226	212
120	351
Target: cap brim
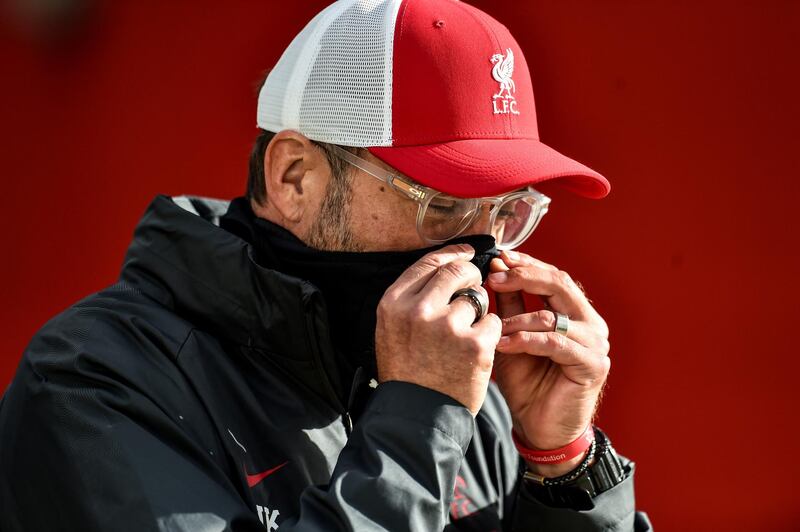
488	167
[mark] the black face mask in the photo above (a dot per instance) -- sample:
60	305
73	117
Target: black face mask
351	283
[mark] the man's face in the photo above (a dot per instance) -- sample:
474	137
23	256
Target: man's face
362	213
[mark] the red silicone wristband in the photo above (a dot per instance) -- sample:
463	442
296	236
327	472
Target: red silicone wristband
556	456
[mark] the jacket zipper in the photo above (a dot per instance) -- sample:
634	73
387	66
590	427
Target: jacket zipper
348	423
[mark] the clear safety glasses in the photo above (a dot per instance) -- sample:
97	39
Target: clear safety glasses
510	218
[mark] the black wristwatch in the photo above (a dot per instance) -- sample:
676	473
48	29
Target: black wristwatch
577	488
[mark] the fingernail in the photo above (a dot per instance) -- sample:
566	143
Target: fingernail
513	255
498	277
503	341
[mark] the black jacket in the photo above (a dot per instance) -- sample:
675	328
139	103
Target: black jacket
200	393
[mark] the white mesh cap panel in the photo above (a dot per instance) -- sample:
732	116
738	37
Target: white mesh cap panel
279	98
333	83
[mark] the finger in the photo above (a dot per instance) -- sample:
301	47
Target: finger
545	321
557	286
486	332
559	349
418	274
489	327
450	277
497	265
515	258
510	303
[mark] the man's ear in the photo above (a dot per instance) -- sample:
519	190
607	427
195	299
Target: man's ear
293	176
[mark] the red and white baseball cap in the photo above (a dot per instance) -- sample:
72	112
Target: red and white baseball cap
437	89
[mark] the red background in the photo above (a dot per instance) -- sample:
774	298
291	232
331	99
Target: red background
689	108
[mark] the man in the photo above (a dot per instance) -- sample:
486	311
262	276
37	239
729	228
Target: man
318	355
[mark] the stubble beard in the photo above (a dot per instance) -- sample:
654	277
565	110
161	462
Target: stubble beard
331	231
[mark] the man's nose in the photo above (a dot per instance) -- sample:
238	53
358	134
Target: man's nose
482	223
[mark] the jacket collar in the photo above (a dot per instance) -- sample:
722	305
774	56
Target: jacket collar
210	276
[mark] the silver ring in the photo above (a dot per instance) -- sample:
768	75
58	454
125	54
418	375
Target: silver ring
562	323
478	300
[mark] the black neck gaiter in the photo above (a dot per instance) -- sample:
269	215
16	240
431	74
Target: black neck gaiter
351	283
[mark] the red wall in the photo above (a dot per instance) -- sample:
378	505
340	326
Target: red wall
690	108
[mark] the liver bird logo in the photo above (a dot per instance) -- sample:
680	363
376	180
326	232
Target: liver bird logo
502	71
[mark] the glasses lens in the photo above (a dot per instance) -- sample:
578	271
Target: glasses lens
446	216
515	220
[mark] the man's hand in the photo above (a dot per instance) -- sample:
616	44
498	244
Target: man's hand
551	382
423	338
